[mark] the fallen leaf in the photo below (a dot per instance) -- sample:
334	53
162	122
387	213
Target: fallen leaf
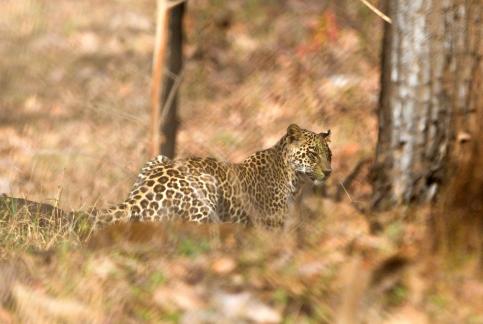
223	265
245	306
179	296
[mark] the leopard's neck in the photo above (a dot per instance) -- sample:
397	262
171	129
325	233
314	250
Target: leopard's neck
271	168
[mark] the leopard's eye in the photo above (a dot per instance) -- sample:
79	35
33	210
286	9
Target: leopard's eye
312	153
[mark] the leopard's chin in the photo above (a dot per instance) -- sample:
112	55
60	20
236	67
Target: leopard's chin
319	182
316	180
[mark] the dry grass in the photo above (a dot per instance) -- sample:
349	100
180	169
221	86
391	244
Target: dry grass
75	119
331	269
28	225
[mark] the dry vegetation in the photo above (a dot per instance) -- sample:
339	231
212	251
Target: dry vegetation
74	96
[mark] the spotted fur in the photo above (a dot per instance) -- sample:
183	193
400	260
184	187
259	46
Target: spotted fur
259	189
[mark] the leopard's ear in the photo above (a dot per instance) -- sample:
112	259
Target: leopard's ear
294	133
326	135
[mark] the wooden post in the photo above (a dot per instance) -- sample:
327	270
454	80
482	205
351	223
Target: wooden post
157	75
169	122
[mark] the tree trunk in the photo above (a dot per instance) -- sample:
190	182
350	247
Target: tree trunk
174	64
429	93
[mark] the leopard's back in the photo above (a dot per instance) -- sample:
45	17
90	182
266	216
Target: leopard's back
208	190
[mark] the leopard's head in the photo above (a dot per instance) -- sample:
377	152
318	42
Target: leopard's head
308	153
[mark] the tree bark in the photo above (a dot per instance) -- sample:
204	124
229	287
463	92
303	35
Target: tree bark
174	65
430	58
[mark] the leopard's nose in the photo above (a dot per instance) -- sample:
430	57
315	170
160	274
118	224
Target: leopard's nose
327	172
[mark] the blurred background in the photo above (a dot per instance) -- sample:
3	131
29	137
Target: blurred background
75	86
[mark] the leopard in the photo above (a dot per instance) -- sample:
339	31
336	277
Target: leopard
258	190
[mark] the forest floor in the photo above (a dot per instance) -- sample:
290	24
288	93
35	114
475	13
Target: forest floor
74	115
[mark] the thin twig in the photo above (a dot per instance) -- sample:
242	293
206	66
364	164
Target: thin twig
377	11
113	112
355	203
167	105
351	177
348	196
